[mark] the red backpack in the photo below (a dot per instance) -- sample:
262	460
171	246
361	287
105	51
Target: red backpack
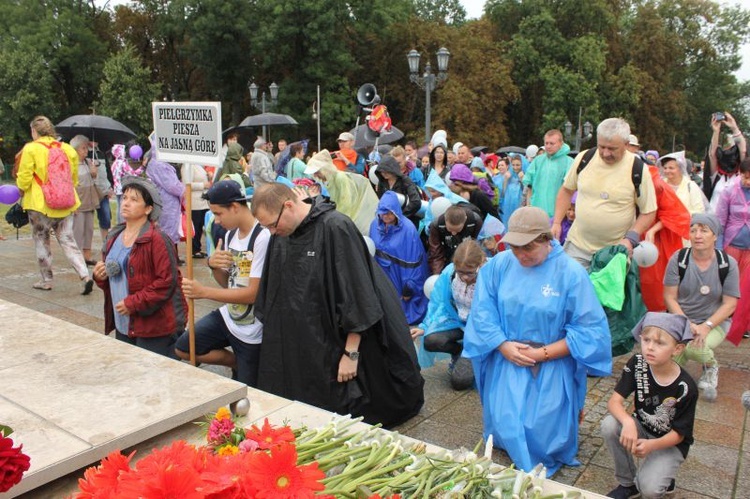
58	190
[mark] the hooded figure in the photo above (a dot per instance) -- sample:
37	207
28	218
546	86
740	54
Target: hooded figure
545	177
351	192
401	184
171	190
232	163
401	255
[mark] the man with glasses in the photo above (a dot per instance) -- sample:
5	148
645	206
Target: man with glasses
335	335
236	264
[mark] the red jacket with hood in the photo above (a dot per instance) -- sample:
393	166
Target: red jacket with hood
154	286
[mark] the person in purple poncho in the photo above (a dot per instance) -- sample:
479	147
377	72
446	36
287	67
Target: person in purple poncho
171	190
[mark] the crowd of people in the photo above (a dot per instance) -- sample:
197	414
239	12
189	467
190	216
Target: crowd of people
343	275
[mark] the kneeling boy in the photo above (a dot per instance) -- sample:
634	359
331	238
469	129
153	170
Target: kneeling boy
660	431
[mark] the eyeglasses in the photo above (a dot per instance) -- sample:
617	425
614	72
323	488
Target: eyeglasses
276	223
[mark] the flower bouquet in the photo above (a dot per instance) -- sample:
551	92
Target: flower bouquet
13	462
333	461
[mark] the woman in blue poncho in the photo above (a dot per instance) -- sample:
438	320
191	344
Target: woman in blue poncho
400	254
509	181
535	329
450	303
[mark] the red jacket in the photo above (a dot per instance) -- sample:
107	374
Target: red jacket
154	286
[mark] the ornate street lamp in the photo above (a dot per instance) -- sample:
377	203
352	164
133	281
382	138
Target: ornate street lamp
428	81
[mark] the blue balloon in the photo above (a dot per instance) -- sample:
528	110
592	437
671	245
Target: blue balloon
9	194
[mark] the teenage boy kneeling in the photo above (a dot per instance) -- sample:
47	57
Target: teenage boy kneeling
660	431
237	266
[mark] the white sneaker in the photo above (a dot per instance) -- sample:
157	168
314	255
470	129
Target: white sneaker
712	376
703	381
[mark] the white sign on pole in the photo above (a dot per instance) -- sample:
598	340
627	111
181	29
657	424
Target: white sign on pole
188	132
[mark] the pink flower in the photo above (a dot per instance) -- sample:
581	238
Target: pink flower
248	446
220	430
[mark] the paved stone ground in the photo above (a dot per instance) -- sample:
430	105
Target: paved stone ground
718	465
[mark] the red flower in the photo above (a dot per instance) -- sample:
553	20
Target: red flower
99	480
267	436
13	463
277	476
173	482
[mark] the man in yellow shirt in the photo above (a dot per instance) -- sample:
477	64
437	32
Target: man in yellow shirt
607	200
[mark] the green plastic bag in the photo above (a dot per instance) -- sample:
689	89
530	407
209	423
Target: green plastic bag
621	322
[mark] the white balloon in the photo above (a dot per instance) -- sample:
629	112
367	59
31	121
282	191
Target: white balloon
645	254
371	174
401	199
370	245
429	285
439	205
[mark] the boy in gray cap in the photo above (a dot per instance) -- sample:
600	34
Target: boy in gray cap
660	430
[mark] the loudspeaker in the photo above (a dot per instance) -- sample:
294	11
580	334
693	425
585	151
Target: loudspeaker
367	95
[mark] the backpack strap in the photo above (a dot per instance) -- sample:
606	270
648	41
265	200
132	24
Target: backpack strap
636	174
253	236
683	258
723	259
587	156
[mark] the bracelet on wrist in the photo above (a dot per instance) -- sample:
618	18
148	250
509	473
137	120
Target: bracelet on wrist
710	324
546	355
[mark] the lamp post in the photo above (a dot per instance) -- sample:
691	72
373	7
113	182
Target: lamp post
274	91
428	81
582	133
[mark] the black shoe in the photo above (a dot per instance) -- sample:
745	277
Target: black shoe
746	335
180	262
623	492
670	489
199	255
462	374
88	287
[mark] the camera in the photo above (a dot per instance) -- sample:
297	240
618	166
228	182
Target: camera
719	116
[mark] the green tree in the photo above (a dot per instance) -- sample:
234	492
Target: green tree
126	91
442	11
27	88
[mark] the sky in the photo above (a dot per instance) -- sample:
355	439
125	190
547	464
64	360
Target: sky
474	10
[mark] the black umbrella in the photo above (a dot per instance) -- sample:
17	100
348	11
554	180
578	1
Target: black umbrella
510	149
478	150
97	128
267	119
364	137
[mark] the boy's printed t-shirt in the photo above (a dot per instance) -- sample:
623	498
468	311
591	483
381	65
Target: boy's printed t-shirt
239	317
658	408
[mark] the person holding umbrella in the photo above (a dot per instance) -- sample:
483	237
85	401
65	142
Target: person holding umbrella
31	170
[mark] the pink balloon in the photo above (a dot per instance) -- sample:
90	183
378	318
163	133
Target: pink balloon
135	152
9	194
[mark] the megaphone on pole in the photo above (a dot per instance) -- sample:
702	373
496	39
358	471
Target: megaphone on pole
367	95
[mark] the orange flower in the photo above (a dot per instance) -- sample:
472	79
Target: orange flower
268	437
223	413
228	450
277	476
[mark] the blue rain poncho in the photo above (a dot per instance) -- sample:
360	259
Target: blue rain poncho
400	254
441	312
534	417
436	183
511	193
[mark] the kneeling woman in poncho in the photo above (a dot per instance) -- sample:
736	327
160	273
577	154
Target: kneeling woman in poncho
535	329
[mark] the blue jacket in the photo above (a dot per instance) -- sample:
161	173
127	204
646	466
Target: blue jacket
399	252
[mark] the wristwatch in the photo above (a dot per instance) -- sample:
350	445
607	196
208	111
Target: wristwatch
709	324
352	355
